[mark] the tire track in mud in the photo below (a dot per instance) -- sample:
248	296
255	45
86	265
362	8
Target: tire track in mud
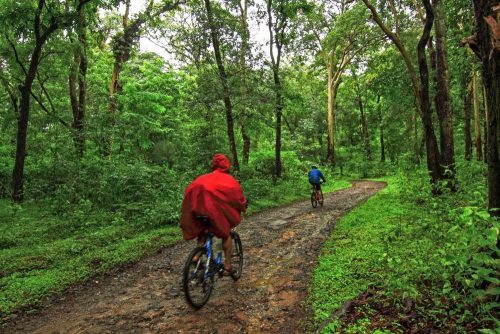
280	245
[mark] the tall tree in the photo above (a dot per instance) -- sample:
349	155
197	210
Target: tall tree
224	82
245	37
45	23
381	124
432	149
442	99
467	109
364	124
487	39
433	157
477	119
340	36
77	77
277	23
122	44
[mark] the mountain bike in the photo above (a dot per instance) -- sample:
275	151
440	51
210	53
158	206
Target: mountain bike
202	268
316	196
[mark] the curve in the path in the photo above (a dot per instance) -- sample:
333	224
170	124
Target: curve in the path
281	247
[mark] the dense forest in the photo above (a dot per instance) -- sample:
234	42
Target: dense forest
100	136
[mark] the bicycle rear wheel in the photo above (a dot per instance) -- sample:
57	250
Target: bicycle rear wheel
236	256
197	280
314	201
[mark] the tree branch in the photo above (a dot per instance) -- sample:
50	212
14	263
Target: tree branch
16	54
63	122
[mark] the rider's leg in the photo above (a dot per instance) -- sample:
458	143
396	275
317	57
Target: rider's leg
227	246
202	238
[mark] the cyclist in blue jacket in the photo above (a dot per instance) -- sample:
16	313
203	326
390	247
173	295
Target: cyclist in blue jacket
315	176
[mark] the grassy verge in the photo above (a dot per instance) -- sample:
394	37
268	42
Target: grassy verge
407	261
350	257
42	252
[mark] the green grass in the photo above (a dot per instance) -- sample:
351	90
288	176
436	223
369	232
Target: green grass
358	255
41	254
405	245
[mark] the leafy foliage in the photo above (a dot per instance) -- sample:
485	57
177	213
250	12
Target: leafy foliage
396	248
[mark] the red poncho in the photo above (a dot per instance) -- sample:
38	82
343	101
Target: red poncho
217	195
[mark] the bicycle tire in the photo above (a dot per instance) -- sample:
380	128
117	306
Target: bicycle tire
321	198
194	273
314	201
236	256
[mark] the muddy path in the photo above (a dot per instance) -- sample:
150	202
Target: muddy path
281	246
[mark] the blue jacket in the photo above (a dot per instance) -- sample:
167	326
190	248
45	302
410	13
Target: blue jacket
315	175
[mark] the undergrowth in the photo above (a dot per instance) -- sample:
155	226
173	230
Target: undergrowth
406	260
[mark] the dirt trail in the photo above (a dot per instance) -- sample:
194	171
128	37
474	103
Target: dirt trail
281	247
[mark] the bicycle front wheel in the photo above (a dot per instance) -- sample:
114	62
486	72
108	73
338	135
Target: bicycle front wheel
321	197
314	200
197	280
236	256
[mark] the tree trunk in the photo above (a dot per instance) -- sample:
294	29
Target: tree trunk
244	93
430	137
78	72
381	124
121	49
477	120
485	124
433	162
467	107
225	87
443	105
25	89
489	52
276	40
330	157
279	112
364	126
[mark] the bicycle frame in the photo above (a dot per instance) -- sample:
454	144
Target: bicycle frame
209	247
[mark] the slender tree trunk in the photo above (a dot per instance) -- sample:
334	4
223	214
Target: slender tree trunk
485	124
381	124
364	125
244	97
330	157
489	53
430	137
443	105
279	113
418	144
225	87
121	56
477	120
78	73
276	32
467	107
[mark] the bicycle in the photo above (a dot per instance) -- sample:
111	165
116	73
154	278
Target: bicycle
316	196
202	267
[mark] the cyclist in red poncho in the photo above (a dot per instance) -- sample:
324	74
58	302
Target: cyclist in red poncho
218	196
